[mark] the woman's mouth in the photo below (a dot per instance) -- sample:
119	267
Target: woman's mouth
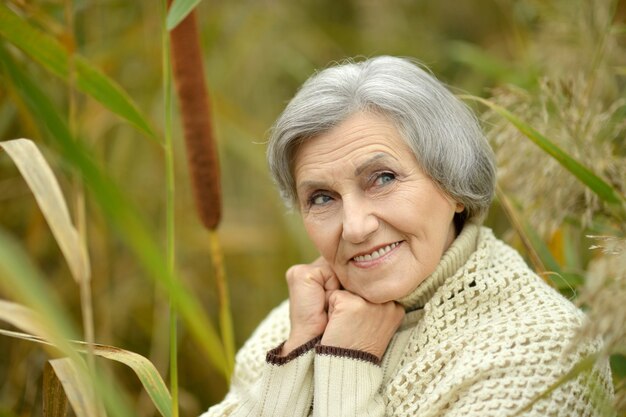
377	253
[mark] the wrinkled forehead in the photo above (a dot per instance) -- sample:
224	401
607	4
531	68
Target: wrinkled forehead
363	128
359	145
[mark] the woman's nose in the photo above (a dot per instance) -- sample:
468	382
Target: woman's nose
359	221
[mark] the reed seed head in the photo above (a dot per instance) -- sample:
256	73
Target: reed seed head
188	72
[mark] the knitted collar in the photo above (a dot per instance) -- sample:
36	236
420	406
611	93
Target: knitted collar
454	258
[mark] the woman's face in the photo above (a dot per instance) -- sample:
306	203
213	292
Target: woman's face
374	215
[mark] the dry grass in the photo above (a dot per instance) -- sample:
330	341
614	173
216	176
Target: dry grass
579	104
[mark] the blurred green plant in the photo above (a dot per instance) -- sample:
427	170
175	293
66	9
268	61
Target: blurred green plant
49	53
179	10
99	87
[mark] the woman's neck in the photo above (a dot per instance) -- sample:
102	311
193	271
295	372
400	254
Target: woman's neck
453	258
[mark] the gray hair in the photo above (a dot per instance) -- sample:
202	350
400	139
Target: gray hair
442	132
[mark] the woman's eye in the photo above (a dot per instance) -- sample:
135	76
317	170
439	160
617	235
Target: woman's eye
384	178
319	199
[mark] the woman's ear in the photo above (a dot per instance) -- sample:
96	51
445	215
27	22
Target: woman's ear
459	208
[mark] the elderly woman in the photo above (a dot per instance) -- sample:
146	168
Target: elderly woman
413	308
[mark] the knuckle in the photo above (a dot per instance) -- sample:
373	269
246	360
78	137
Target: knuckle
290	276
294	271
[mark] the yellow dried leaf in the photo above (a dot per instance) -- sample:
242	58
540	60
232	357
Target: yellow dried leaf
22	318
79	392
54	398
28	320
45	187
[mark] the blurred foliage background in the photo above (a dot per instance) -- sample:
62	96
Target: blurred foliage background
560	65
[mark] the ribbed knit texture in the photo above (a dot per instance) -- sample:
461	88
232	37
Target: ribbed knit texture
457	254
483	335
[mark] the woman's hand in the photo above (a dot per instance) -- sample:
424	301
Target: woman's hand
355	323
309	288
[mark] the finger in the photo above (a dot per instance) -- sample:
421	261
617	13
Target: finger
324	266
326	277
320	275
330	302
327	295
332	283
346	298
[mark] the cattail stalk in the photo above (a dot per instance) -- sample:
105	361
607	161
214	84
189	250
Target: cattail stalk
202	155
226	322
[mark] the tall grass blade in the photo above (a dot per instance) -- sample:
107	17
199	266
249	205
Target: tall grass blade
44	316
226	320
584	174
27	320
78	191
179	10
170	251
48	52
78	390
143	368
47	192
119	210
145	371
564	281
518	226
54	398
538	253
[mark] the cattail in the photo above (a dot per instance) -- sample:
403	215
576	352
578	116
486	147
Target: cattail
194	103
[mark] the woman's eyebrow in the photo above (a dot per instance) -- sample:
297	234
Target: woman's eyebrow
307	185
371	161
312	184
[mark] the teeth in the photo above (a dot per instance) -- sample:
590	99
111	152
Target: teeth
376	254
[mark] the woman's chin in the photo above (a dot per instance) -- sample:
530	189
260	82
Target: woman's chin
378	296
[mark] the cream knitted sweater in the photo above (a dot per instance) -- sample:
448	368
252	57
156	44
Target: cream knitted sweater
482	336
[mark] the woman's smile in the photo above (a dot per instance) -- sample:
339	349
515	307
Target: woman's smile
375	257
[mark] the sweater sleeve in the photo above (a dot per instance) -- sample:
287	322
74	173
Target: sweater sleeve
265	383
347	383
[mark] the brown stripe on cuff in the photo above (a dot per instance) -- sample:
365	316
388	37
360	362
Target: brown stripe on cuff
347	353
274	358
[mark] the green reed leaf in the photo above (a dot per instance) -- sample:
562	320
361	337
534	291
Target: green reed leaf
178	11
146	372
618	365
143	368
584	174
43	315
170	196
53	56
120	210
565	282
